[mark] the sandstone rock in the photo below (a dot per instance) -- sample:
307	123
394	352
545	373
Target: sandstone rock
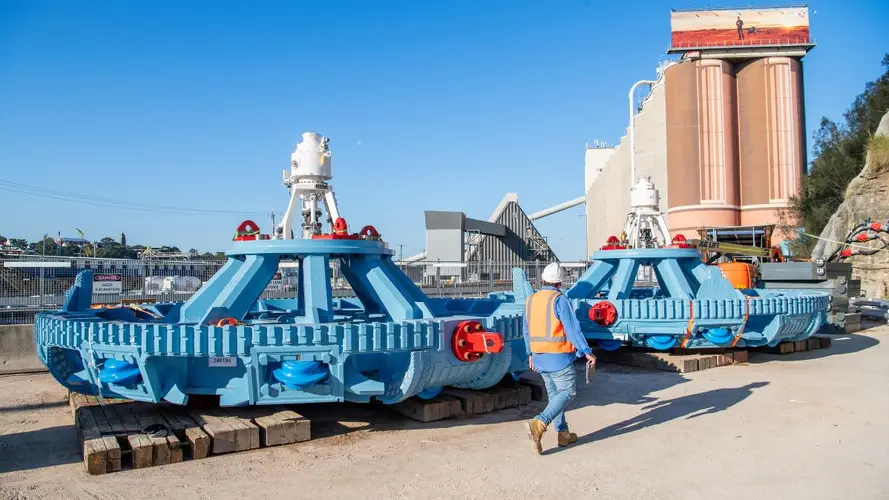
866	196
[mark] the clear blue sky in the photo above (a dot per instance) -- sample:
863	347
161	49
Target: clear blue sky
442	105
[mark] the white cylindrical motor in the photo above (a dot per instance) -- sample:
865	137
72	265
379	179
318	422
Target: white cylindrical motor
644	194
311	159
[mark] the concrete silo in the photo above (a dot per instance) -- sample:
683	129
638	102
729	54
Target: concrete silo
771	134
702	146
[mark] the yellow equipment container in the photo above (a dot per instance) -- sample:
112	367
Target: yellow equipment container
740	274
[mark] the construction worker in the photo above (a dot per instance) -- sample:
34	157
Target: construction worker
553	340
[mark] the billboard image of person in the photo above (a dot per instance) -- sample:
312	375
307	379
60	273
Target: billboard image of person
744	27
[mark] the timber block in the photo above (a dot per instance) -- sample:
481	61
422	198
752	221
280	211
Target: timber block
780	348
676	361
504	397
188	431
472	402
228	433
277	425
429	410
101	454
533	382
825	341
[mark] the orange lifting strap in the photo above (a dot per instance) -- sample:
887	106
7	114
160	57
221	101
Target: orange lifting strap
691	320
743	325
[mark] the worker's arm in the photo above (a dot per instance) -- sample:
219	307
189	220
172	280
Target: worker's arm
566	315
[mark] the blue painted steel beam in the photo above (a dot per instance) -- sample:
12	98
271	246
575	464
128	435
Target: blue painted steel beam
623	279
592	281
673	279
232	291
315	291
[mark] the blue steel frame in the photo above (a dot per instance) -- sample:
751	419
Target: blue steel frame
692	303
389	342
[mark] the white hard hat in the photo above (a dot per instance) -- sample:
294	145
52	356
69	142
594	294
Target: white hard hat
553	273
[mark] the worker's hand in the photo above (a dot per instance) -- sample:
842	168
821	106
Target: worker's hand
531	364
591	360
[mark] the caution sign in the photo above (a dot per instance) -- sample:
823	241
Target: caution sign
276	284
107	283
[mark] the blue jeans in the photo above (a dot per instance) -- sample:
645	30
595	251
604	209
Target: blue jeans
561	387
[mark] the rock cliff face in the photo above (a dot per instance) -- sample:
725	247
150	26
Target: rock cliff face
866	196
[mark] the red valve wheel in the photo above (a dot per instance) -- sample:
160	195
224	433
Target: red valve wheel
603	313
470	341
227	322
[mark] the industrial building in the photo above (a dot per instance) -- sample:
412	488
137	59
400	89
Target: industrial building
720	133
461	248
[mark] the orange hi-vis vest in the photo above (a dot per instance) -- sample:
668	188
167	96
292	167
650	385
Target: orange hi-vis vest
546	333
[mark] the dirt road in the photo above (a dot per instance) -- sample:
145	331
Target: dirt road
813	426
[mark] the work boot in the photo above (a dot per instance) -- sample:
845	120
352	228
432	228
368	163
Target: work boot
536	428
566	438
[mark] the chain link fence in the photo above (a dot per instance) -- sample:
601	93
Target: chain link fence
31	284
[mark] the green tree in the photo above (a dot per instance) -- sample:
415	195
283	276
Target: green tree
19	243
46	247
70	250
115	250
840	150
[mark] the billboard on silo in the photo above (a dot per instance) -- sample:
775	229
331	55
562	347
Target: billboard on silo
726	28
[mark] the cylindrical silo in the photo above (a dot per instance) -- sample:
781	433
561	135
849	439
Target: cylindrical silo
702	153
772	147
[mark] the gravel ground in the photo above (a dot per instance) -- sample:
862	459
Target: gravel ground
810	425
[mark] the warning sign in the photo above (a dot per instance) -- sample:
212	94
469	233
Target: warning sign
276	284
107	283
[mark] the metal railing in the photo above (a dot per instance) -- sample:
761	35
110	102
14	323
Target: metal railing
32	284
760	42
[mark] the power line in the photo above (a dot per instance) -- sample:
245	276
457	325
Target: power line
40	192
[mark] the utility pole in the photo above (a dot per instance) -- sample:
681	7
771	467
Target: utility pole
272	232
401	253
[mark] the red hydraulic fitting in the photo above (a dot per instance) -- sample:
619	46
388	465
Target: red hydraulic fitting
864	237
679	241
227	322
470	341
846	252
876	226
603	313
248	230
340	226
613	244
339	231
